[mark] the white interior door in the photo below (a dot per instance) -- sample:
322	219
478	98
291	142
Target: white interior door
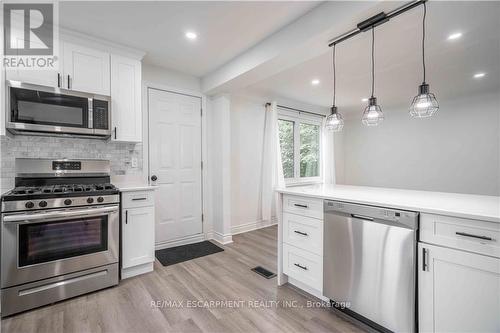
175	161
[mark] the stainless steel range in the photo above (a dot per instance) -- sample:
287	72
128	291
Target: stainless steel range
59	232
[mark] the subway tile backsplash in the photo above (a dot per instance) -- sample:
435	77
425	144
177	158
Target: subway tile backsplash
120	154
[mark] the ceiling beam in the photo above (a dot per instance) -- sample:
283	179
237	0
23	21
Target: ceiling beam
305	38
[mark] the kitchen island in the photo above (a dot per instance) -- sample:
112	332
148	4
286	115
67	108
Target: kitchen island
456	249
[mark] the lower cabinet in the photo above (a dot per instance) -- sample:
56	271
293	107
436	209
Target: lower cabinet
137	231
458	291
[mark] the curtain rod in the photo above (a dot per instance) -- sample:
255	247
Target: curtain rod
301	111
375	20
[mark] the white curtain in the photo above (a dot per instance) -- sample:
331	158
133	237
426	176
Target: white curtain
272	169
328	156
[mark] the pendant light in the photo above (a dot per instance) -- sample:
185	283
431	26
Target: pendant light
335	121
372	116
425	103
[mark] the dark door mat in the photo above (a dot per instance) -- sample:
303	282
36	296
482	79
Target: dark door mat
264	272
175	255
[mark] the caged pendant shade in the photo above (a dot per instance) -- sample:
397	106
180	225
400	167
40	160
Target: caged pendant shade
334	122
425	103
372	116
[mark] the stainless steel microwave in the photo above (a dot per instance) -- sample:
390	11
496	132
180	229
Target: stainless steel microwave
33	109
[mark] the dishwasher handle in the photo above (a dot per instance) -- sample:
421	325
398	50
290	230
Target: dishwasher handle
362	217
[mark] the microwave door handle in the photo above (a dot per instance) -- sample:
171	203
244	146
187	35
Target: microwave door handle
42	217
91	113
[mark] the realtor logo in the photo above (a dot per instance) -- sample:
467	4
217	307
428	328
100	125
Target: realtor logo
30	35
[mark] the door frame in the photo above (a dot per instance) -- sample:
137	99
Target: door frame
205	223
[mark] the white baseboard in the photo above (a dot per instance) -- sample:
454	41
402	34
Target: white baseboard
238	229
222	238
137	270
180	241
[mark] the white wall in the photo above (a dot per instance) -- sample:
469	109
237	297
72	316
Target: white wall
170	78
219	132
455	151
247	134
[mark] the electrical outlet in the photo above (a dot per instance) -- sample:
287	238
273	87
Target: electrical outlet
134	162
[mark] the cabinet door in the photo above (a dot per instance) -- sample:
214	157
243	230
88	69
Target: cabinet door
126	99
458	291
44	77
137	236
86	69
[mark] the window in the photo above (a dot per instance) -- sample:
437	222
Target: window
300	142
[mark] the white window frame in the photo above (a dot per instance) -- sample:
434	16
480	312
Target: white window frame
303	118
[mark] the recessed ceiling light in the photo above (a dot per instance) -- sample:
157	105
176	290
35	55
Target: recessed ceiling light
479	75
364	100
191	35
455	35
315	82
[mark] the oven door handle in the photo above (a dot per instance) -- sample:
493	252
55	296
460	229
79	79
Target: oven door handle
41	217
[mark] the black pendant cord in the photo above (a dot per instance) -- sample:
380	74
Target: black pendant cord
373	60
423	40
334	77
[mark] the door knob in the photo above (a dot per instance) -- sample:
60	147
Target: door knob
154	178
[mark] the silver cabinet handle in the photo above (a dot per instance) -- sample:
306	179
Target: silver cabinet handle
301	267
425	265
69	85
126	217
301	233
301	205
473	236
58	80
138	199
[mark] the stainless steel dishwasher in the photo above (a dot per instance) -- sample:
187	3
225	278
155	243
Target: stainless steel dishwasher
369	264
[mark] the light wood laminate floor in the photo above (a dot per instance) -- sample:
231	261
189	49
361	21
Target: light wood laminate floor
223	276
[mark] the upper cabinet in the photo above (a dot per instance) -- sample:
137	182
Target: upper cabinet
96	67
80	68
126	99
85	69
49	78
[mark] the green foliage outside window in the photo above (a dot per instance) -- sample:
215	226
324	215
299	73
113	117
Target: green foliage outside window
309	148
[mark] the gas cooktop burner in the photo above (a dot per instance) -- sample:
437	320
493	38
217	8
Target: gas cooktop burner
62	190
72	188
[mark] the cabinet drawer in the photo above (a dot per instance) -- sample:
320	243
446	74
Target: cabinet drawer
303	232
137	199
303	206
470	235
303	266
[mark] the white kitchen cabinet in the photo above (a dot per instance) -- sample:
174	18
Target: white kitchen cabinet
138	237
85	69
458	291
301	242
49	78
126	99
45	77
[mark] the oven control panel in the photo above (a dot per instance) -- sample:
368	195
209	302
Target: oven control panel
66	165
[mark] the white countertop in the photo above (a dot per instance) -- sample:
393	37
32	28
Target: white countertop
129	187
480	207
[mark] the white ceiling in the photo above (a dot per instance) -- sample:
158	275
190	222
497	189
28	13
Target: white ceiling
225	29
450	64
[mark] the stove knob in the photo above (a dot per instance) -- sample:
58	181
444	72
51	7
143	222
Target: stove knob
100	199
68	202
29	205
42	204
90	200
